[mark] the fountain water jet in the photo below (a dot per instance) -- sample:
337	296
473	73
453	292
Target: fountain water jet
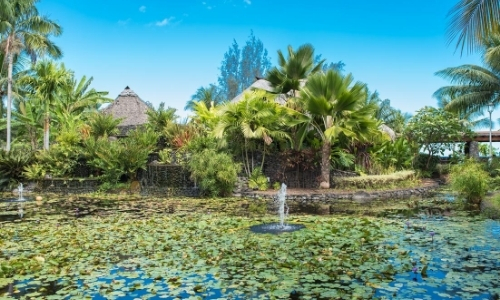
282	226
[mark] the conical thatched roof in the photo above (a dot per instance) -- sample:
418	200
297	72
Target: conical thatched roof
130	108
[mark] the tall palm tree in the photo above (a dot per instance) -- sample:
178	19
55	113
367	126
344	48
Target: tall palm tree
47	79
338	109
24	30
472	21
473	87
289	77
210	95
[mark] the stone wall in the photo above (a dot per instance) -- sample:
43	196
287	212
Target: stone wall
167	180
69	186
329	196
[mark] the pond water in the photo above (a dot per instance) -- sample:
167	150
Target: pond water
115	247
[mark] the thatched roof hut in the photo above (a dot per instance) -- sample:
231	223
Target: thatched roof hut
130	108
261	84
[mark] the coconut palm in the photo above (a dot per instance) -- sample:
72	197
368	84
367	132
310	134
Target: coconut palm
474	87
293	70
24	30
472	21
210	95
46	80
338	109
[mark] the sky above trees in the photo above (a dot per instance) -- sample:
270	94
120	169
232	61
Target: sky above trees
166	50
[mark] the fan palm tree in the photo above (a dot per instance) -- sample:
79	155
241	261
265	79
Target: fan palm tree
210	95
474	87
472	21
338	109
46	80
24	30
293	70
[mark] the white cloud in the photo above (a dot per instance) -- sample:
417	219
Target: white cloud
123	22
164	22
142	9
247	2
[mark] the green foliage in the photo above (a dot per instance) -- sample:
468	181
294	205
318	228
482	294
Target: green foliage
214	171
60	160
165	156
426	164
276	186
103	125
396	154
115	159
258	180
435	131
105	156
12	163
470	181
34	171
240	67
398	179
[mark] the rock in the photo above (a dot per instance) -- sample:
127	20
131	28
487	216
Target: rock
324	185
361	197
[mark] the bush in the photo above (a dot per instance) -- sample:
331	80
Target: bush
258	180
12	164
420	163
374	181
470	181
215	172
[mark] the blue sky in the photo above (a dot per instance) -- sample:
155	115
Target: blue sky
166	49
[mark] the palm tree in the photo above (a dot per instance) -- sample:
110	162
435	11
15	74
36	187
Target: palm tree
474	87
255	117
472	21
293	70
24	30
76	98
47	79
337	109
210	95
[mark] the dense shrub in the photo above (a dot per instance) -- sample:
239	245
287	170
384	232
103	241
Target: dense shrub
470	181
12	164
426	166
215	172
374	181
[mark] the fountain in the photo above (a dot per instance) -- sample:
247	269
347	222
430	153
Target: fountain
282	226
20	191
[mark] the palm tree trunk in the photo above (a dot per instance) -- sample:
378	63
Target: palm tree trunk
46	127
326	150
9	96
325	164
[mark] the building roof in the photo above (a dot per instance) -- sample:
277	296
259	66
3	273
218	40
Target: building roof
128	107
261	84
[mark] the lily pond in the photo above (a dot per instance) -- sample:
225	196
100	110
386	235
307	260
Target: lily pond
125	247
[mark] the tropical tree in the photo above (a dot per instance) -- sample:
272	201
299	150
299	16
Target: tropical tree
210	95
338	109
292	71
46	80
255	117
23	30
473	87
472	21
76	97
